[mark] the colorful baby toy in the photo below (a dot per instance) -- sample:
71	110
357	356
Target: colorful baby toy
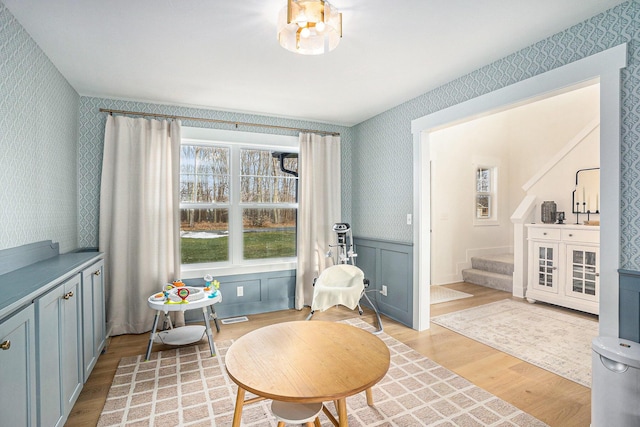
209	283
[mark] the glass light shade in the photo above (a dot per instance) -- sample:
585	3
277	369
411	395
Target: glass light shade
307	14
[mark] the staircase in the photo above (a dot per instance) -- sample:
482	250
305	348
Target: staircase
492	271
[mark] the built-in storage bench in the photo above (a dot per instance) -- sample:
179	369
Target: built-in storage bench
52	330
564	265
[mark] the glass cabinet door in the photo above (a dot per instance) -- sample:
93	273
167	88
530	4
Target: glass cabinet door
545	275
583	276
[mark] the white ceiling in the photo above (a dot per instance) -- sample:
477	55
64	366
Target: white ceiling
224	54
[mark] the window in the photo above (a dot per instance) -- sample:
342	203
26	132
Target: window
237	207
485	195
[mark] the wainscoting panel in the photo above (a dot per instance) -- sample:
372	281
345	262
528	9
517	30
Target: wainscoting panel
389	264
630	305
262	292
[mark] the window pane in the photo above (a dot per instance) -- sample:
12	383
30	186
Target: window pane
262	181
204	174
269	233
204	235
483	206
578	257
483	180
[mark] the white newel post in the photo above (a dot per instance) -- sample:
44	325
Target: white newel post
522	214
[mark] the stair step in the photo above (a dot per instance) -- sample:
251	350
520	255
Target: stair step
501	282
502	264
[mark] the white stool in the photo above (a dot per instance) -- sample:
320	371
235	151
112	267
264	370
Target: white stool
296	413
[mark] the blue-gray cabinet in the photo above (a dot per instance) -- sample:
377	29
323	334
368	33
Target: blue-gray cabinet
52	324
58	341
93	316
18	368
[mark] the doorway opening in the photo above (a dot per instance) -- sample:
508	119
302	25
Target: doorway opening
604	66
482	169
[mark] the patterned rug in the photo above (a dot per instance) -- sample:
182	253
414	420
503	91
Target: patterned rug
441	294
552	340
187	387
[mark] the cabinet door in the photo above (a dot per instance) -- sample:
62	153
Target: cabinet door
583	278
18	369
93	316
59	351
544	274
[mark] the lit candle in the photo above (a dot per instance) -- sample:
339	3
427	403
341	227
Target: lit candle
583	195
597	203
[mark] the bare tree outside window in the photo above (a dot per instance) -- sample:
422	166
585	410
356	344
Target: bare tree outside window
266	197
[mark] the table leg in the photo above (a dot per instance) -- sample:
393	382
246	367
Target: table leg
209	333
153	336
342	412
237	414
369	393
329	415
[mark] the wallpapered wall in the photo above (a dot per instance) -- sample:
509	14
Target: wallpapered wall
38	140
91	140
39	124
382	169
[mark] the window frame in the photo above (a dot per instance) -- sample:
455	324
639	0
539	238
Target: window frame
236	141
493	194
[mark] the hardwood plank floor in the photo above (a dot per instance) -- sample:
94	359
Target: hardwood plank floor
549	397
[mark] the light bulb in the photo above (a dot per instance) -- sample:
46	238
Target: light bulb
302	20
305	33
320	26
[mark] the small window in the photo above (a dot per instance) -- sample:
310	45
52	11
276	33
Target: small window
485	194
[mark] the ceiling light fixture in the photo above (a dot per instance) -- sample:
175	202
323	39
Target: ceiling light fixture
309	27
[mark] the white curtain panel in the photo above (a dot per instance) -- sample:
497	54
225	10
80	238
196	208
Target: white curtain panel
139	217
318	209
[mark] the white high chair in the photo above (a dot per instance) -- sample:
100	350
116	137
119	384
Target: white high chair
343	283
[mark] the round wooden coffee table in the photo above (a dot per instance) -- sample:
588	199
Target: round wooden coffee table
305	362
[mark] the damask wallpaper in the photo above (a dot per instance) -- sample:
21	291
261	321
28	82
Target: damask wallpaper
382	187
38	142
91	139
51	138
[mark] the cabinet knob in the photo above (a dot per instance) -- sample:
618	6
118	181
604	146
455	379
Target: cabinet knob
6	345
68	295
570	235
597	274
544	233
97	272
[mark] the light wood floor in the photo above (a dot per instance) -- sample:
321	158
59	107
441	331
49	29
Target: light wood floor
549	397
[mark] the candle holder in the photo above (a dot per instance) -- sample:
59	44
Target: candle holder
577	212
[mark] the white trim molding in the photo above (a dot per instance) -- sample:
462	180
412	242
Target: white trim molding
605	66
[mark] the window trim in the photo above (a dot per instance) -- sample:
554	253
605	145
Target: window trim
493	194
237	140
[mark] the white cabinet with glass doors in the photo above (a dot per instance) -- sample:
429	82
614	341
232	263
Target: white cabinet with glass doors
564	265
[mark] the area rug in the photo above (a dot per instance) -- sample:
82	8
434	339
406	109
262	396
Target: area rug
441	294
188	387
550	339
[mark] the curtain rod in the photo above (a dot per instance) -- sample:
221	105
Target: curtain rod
169	116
